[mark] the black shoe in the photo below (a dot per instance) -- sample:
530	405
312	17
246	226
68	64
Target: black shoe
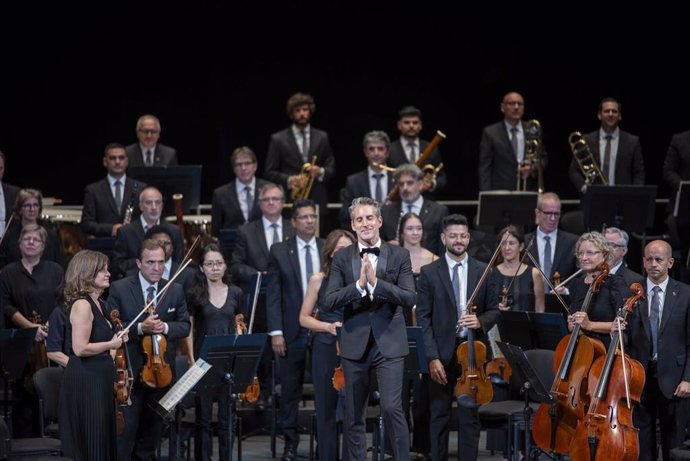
289	454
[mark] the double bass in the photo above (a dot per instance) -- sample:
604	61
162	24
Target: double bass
555	424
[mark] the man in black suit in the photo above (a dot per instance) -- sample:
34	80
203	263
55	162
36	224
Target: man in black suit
143	427
553	248
372	281
291	148
502	150
106	201
235	203
617	153
409	147
676	169
659	337
374	181
129	237
9	196
444	288
291	264
409	177
148	151
619	239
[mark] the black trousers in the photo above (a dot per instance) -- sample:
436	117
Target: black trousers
143	426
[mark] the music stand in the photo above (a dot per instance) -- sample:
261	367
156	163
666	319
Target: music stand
682	204
532	387
14	353
548	329
501	208
182	179
515	328
626	207
235	359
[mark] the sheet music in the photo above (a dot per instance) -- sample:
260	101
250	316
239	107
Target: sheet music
184	385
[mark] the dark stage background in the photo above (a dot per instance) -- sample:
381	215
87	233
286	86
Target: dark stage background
218	76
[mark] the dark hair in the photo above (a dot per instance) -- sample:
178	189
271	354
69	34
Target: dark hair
609	99
453	220
198	294
409	111
514	232
158	229
401	225
301	203
299	100
329	246
111	146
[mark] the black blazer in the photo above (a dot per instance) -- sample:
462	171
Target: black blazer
126	296
9	193
251	253
357	185
226	212
284	292
629	277
284	159
629	160
162	155
431	215
564	261
673	347
397	157
677	162
437	311
128	241
383	316
100	212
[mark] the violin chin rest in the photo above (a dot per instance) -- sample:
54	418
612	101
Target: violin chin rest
467	401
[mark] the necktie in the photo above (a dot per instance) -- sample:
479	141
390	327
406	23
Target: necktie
514	142
458	294
149	157
378	193
654	318
309	266
305	145
249	199
410	208
607	157
276	237
118	194
547	259
150	293
413	152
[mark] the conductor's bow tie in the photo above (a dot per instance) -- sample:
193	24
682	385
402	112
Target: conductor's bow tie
373	250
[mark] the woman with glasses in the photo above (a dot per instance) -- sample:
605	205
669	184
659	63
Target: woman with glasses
27	210
591	250
213	304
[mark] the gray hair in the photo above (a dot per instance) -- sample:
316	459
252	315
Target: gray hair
365	201
620	232
376	136
409	169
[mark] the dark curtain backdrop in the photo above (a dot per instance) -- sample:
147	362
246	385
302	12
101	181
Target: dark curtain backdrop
74	78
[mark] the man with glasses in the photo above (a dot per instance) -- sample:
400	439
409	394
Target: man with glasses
106	201
148	151
502	149
553	248
235	203
129	237
619	239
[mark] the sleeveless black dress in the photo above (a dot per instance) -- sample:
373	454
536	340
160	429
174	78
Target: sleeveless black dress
87	399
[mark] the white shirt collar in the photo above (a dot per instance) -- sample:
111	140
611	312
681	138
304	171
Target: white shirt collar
451	262
112	179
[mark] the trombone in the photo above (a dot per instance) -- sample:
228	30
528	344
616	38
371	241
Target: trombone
533	152
306	180
585	159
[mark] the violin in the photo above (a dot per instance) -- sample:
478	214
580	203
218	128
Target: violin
39	357
473	381
498	370
155	373
555	424
614	381
124	376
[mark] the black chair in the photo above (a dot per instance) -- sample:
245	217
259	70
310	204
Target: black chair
47	383
20	448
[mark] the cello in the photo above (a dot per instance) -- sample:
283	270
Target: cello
555	424
607	431
124	376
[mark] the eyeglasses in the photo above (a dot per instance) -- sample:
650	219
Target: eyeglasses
211	264
164	243
271	199
551	214
32	240
243	164
617	245
149	132
27	206
589	254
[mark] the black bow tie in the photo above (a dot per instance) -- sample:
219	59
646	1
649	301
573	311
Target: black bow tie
373	250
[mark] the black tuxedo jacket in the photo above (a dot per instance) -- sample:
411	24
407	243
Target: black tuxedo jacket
629	161
129	240
437	311
357	185
162	155
100	212
564	261
284	292
9	194
431	215
126	295
381	317
226	212
398	157
677	162
673	347
284	159
252	253
629	276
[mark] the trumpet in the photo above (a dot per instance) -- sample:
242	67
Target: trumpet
585	159
306	180
533	149
383	167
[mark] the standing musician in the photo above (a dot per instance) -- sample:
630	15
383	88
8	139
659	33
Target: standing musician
9	195
148	151
618	239
170	319
372	281
324	352
444	288
659	337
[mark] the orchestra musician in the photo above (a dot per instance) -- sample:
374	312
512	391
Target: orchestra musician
148	151
9	195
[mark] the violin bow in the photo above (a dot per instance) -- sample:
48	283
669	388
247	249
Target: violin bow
625	373
520	265
187	257
7	226
255	300
546	279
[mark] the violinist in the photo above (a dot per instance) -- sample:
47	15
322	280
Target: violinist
213	304
170	320
87	399
323	348
442	293
659	337
591	250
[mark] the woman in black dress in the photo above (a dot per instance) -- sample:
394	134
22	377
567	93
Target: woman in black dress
213	304
87	399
